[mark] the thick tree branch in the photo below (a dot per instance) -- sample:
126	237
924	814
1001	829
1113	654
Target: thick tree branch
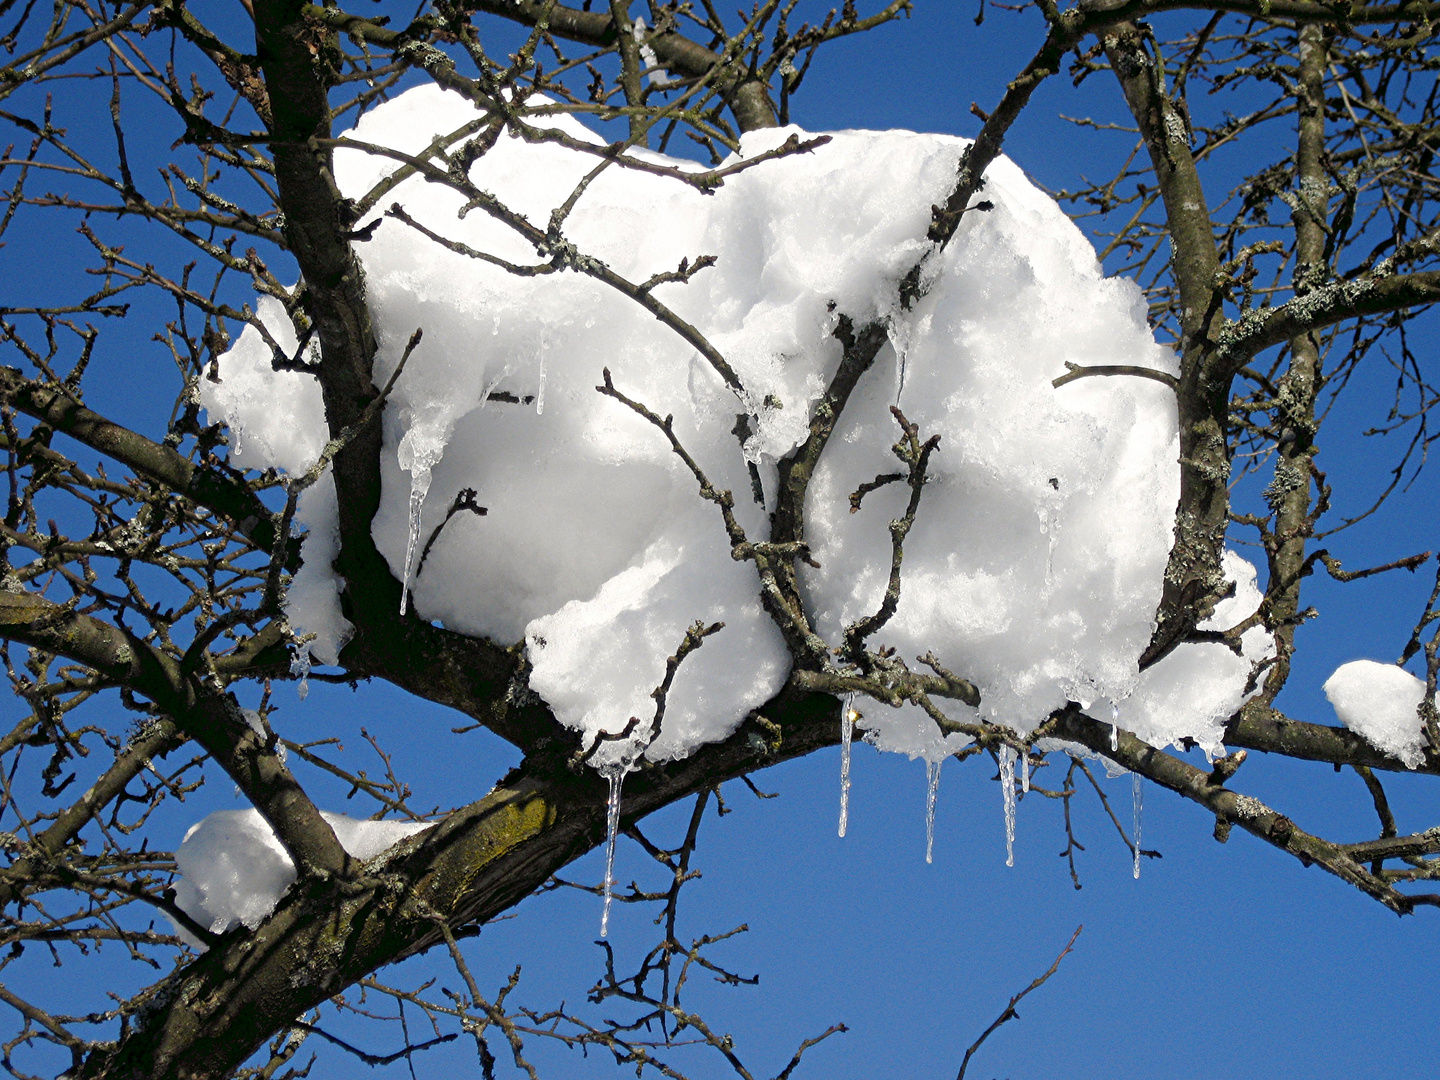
1064	35
1249	813
1396	847
468	674
1259	727
477	863
1289	493
1370	294
1292	10
484	858
1193	578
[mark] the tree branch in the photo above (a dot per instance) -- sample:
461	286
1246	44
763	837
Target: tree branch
210	488
204	713
475	864
1246	811
1370	294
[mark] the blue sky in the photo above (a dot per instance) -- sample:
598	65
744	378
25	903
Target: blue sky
1228	959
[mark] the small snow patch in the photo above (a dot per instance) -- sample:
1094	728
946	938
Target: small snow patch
233	869
1380	702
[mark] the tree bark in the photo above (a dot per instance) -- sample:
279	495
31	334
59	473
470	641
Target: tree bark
1193	579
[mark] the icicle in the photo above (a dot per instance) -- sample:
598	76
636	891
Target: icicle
419	485
1050	526
1007	790
1025	773
540	393
491	386
932	777
615	774
1139	805
300	667
847	732
1114	725
899	333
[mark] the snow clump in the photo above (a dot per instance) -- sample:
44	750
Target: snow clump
1034	566
1381	703
272	416
234	870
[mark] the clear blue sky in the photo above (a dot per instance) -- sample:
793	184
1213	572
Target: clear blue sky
1225	960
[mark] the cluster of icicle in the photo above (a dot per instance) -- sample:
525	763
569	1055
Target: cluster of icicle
1006	757
615	771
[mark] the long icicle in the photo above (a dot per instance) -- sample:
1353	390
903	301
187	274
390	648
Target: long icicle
932	778
1007	785
847	732
419	485
615	774
1139	805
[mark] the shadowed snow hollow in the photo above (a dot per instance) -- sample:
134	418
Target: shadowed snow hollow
1034	567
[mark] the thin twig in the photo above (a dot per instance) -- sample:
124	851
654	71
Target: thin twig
1009	1012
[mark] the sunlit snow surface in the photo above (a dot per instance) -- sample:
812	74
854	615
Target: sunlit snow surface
1380	702
1035	564
233	870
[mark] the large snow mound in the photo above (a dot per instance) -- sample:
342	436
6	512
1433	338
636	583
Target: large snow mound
1381	702
1036	562
233	870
